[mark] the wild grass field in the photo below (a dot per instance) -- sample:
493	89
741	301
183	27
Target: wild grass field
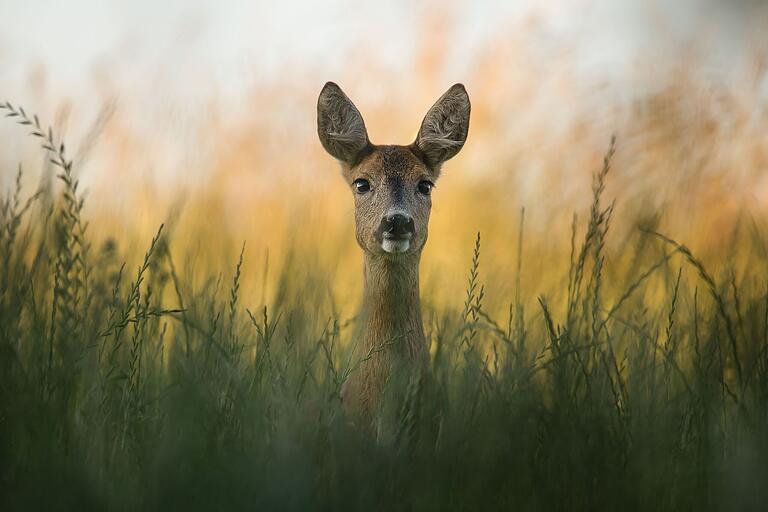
628	372
180	282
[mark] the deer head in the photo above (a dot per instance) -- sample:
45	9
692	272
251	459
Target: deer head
392	185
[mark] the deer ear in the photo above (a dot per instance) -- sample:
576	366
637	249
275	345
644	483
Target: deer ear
445	127
339	125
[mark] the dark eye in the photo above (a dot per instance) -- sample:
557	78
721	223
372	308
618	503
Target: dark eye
361	185
425	187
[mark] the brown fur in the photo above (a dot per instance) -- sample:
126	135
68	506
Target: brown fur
391	327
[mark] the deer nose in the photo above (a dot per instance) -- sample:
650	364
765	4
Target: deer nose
397	225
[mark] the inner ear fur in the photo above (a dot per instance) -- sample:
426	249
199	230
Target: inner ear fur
340	125
445	127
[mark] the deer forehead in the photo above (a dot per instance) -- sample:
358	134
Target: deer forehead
390	162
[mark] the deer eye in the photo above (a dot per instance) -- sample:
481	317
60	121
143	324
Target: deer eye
361	185
425	187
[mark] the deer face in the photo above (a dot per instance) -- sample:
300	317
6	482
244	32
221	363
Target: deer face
392	185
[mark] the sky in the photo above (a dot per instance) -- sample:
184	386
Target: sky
228	44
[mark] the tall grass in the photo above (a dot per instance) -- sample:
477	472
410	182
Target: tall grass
151	387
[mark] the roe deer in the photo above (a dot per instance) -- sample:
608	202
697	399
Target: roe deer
391	187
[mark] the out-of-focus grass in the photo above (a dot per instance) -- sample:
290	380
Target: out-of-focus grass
608	368
605	369
692	156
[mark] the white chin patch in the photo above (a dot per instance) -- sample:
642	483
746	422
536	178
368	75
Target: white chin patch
395	246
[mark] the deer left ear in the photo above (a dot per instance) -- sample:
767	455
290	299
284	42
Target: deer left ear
340	126
445	127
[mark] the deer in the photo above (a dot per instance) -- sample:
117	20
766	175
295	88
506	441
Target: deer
392	188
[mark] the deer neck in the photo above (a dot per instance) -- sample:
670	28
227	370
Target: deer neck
391	312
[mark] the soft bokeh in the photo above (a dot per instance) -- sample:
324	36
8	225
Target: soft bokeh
608	368
202	115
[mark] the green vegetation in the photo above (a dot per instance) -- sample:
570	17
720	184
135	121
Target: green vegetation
149	388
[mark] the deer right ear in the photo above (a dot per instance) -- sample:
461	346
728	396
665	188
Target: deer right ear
445	127
340	126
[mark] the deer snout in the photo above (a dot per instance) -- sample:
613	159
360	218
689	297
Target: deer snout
397	225
395	232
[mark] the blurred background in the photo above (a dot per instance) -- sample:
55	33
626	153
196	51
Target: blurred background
202	115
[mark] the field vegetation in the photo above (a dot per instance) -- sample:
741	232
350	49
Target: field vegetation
585	367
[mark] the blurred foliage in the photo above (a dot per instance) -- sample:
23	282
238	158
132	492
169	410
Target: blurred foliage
638	379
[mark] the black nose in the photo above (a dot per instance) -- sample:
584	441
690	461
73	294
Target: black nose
397	224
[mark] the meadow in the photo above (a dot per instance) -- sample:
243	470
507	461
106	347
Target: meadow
586	367
179	286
